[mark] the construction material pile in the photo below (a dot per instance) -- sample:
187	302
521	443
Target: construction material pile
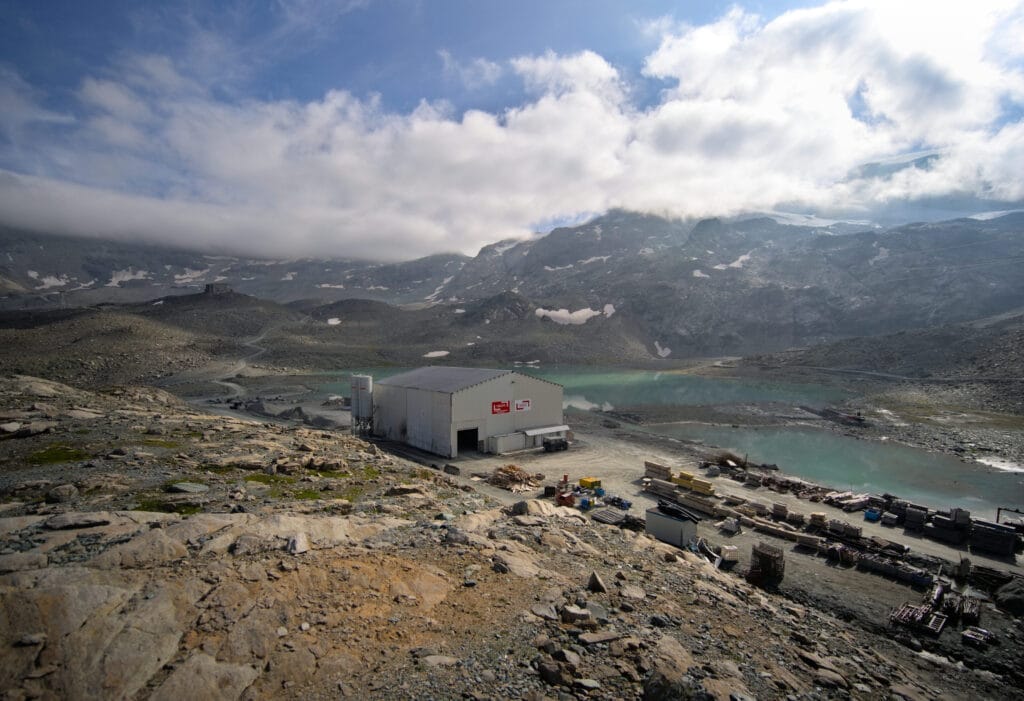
515	479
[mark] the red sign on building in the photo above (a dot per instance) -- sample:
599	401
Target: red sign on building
523	404
501	407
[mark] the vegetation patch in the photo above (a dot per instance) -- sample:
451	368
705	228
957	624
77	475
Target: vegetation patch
168	507
332	474
307	494
57	453
370	472
352	492
159	443
263	478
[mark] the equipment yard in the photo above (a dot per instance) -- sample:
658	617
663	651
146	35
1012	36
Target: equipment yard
819	569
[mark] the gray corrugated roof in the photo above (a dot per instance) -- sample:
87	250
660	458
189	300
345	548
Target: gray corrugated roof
442	379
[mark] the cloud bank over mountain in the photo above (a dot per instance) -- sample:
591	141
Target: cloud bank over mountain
843	109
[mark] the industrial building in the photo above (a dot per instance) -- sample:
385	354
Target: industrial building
445	410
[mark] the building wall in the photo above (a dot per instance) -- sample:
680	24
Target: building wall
431	420
418	417
474	407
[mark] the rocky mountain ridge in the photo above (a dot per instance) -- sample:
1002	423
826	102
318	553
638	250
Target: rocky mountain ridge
714	287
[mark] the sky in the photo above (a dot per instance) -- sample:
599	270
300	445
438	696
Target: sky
393	129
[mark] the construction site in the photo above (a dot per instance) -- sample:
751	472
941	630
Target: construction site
935	579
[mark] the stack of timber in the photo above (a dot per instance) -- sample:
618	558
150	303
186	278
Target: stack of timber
661	488
918	618
995	538
657	471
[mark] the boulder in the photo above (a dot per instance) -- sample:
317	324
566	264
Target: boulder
62	493
63	522
596	584
16	562
203	677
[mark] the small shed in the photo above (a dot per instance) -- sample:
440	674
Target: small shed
672	524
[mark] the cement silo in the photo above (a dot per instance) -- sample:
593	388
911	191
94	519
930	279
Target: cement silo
362	403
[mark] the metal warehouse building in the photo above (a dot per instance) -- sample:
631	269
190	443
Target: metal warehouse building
446	409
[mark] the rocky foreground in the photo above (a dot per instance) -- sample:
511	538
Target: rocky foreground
151	551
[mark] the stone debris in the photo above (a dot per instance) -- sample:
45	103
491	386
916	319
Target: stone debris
396	583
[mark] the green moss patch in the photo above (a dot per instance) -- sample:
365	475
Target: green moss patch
56	454
159	443
263	478
168	507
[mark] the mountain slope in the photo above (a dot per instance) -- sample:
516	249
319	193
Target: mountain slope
678	289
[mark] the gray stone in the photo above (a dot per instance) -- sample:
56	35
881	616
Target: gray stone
455	536
203	677
248	543
298	544
10	427
601	637
589	684
599	612
596	584
569	657
62	493
439	661
574	614
553	674
64	522
830	679
188	488
633	592
16	562
520	508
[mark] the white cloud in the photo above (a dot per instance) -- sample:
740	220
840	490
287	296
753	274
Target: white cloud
755	114
477	73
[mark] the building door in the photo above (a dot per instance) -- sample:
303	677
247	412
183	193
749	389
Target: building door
467	441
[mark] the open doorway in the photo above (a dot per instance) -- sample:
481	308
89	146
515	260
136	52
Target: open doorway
467	441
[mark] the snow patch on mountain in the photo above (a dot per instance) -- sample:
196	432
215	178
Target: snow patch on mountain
564	316
432	297
738	263
663	352
119	276
191	275
700	273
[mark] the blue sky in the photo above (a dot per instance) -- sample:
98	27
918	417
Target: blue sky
298	127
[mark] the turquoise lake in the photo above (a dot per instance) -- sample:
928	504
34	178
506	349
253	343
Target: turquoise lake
844	462
816	455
